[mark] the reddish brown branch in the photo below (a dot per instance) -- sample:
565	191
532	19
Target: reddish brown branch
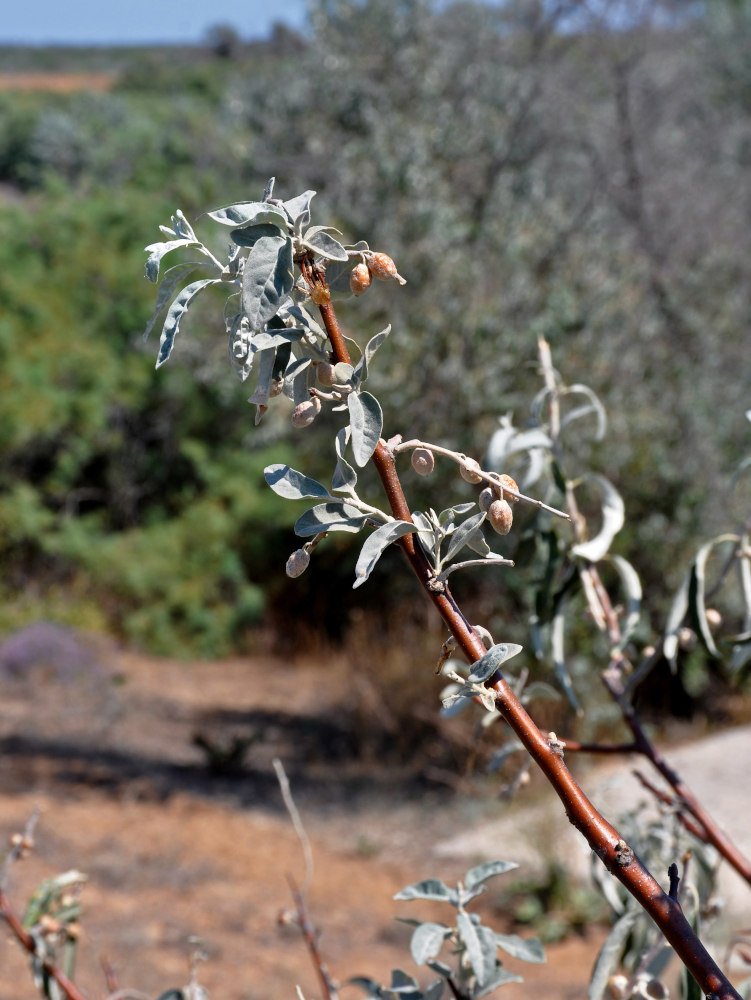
311	940
601	836
27	941
688	822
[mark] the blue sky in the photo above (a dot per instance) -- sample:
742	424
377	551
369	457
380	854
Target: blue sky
98	22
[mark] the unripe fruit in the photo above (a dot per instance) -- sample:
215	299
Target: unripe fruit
500	516
422	461
618	987
486	498
360	279
297	563
383	268
326	373
470	470
305	413
507	481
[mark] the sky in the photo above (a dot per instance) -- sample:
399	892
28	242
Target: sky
134	22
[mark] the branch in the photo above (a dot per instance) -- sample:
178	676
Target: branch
27	941
603	838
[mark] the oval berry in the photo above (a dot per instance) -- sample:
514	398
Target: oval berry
501	516
422	461
360	279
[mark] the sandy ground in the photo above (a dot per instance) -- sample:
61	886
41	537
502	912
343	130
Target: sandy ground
173	851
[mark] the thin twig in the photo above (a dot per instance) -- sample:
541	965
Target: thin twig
297	823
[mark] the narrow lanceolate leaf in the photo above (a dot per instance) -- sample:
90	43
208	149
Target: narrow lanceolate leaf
176	312
344	479
291	484
157	250
610	955
429	888
593	406
613	516
376	543
481	873
632	588
327	246
527	949
557	646
366	421
697	588
487	665
475	951
172	278
677	613
361	368
465	534
427	941
268	279
250	213
334	516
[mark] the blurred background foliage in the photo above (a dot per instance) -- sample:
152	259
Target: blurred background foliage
532	167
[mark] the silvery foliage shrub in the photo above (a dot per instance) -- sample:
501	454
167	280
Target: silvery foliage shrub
275	341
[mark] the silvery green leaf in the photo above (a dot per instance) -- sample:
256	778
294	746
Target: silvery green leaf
632	589
508	441
375	544
435	990
249	235
250	213
499	757
158	250
429	888
269	189
463	535
481	873
697	588
613	516
344	479
500	977
557	635
291	484
676	615
361	368
275	338
265	365
299	205
268	278
741	651
326	246
474	947
526	949
593	406
366	421
176	312
427	941
181	225
295	380
303	318
538	460
370	986
343	373
609	957
451	703
487	665
172	278
403	984
334	516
